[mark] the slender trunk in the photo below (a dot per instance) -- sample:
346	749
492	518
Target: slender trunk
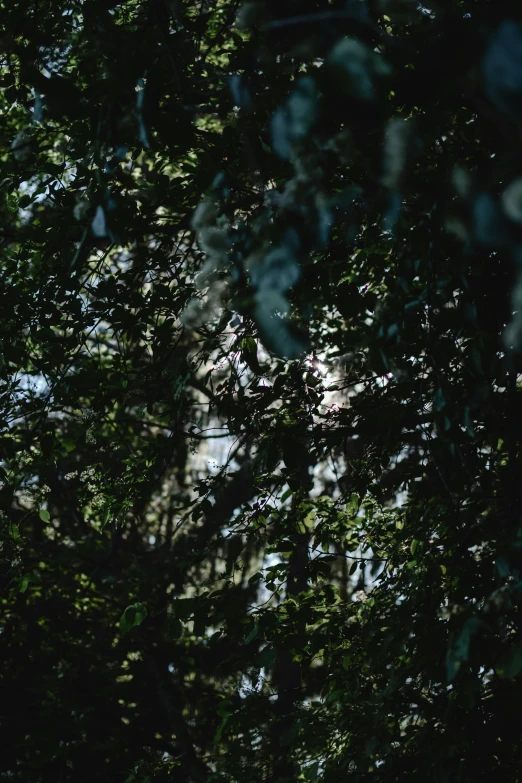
287	670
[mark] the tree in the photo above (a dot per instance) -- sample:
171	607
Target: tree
260	406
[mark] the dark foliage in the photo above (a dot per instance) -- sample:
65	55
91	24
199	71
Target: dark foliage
260	409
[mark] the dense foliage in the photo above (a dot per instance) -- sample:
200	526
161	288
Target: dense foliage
260	431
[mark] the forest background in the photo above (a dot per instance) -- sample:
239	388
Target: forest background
260	408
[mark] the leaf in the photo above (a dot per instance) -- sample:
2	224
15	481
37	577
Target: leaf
264	146
225	708
510	662
184	607
239	91
24	584
68	444
277	272
290	735
249	355
280	133
200	624
133	616
221	729
295	454
352	505
143	135
458	649
98	225
334	695
175	627
502	68
44	515
311	772
353	66
488	225
253	633
502	566
267	657
28	579
295	119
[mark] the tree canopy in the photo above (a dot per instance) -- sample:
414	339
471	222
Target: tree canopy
260	408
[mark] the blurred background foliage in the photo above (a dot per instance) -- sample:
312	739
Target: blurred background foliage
260	423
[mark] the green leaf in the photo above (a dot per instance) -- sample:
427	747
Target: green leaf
68	444
200	623
24	584
290	735
44	515
267	657
221	729
225	708
133	616
28	579
510	663
286	494
253	633
458	649
249	355
175	627
311	772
